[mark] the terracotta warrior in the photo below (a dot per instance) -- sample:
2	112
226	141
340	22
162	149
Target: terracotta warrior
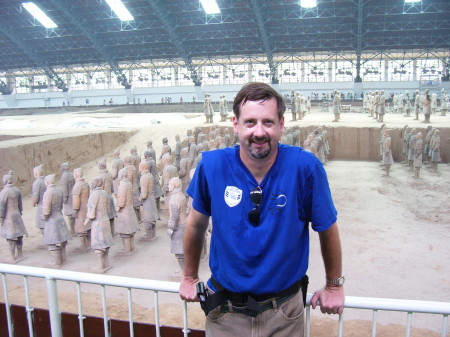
56	233
169	172
11	224
127	222
293	105
433	103
80	197
408	106
37	198
116	165
177	222
151	150
97	218
444	102
336	105
135	159
208	109
381	106
157	190
417	161
131	170
185	168
387	152
223	108
412	146
427	106
67	181
435	150
417	103
149	210
177	151
107	186
429	134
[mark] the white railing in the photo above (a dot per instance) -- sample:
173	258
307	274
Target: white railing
53	275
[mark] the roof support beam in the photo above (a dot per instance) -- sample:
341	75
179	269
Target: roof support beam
17	39
170	27
256	6
360	4
66	7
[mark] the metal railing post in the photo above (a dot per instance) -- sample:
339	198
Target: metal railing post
7	306
53	308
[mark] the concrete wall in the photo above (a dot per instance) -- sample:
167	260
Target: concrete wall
154	95
22	155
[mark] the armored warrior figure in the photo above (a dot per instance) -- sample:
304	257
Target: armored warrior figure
427	106
97	218
293	105
80	197
417	103
435	150
417	161
12	227
56	233
131	169
67	181
223	108
185	168
381	106
170	171
149	210
208	109
177	151
151	150
127	222
408	106
38	191
157	190
116	165
387	152
336	105
107	185
444	102
177	222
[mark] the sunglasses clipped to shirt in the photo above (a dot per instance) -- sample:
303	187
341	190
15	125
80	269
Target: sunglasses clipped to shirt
254	216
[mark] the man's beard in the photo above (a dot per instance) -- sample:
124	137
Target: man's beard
260	153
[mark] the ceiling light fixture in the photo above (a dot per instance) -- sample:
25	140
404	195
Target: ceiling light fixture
210	6
308	3
120	10
39	15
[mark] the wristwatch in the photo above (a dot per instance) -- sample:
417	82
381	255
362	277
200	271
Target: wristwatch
337	281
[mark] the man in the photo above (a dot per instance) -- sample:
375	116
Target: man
260	214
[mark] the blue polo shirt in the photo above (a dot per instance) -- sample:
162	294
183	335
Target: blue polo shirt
272	256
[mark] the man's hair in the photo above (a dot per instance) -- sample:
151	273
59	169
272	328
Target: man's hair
256	92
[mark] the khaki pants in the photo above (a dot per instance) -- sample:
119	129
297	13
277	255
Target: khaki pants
285	320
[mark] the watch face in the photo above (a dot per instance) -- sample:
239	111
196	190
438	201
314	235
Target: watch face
341	280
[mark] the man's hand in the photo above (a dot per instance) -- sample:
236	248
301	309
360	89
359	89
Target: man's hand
331	300
188	289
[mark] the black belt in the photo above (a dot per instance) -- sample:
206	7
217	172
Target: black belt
249	302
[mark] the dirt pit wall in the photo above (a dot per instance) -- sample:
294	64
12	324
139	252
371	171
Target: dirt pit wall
23	154
362	143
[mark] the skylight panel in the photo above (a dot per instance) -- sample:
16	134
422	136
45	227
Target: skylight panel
210	6
39	15
120	10
411	1
308	3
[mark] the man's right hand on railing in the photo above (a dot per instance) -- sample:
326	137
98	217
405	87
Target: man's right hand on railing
188	289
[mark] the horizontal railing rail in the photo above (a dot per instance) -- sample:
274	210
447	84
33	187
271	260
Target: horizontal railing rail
53	275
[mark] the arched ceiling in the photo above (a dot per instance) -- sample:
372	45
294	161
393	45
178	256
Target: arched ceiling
179	30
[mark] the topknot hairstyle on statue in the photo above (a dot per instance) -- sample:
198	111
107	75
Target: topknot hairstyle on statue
256	92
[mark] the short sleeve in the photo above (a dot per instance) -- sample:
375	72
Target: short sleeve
199	192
